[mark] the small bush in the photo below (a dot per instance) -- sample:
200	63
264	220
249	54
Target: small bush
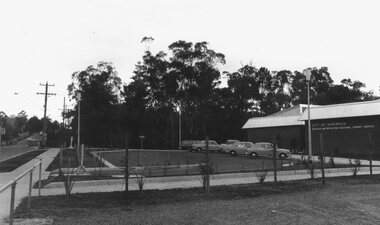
205	170
261	173
140	175
65	177
332	162
355	166
311	169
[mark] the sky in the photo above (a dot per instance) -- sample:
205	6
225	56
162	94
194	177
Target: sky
46	40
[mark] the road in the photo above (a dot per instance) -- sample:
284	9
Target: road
10	151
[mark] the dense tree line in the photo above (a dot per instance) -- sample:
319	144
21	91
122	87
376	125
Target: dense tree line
187	78
12	124
20	126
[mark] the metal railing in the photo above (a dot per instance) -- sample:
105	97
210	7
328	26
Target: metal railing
13	184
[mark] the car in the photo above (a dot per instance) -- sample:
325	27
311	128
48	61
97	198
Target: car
240	148
224	148
213	146
265	149
187	144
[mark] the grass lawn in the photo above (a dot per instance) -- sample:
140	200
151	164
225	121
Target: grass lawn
163	163
345	200
15	162
171	163
221	163
88	161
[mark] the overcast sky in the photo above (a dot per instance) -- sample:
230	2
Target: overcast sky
46	40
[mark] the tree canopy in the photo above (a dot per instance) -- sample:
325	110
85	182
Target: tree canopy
188	78
97	89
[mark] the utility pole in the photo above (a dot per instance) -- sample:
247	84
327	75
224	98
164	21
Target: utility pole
64	110
2	131
45	107
275	160
63	113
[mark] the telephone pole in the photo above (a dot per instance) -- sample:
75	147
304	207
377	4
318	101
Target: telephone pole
64	110
47	85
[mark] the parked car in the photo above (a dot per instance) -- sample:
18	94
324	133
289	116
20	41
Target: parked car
201	146
225	148
240	148
188	144
265	149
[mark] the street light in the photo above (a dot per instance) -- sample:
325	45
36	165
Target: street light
307	73
179	128
79	99
81	169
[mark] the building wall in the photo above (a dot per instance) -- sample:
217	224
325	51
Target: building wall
290	137
347	136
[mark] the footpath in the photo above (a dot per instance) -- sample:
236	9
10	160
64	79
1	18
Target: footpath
160	183
57	188
22	187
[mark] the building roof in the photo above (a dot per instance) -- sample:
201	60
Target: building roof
356	109
287	117
273	121
296	110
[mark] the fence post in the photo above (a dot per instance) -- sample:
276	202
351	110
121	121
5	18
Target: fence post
370	162
39	178
187	162
275	161
370	152
12	203
322	159
30	189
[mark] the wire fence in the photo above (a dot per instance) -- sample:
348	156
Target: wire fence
182	162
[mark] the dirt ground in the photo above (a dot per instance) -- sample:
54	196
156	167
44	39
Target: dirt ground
342	201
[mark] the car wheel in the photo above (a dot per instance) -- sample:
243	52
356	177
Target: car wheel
220	150
233	153
253	155
199	149
282	156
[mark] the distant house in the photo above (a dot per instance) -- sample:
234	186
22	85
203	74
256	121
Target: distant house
284	127
35	140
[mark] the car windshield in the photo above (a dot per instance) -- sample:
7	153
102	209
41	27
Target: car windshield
265	145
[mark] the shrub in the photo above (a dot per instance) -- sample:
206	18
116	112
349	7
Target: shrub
261	173
355	166
205	170
311	169
332	162
140	175
68	181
